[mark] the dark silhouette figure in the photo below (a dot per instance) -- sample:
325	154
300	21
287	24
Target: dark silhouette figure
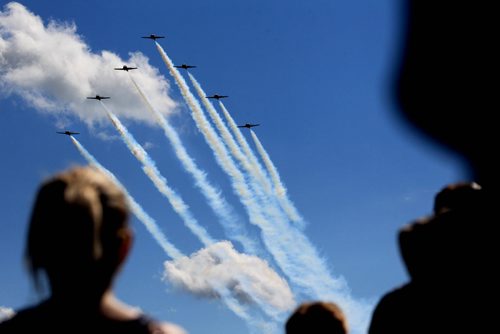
78	238
443	257
444	89
317	318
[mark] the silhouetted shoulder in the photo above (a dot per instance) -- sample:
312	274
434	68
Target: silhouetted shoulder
390	314
42	319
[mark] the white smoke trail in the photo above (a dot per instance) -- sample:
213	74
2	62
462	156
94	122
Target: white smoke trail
279	188
272	170
258	182
229	140
149	167
233	228
247	160
138	211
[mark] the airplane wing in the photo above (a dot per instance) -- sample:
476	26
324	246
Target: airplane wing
105	97
68	133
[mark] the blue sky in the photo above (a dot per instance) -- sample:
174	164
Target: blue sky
316	75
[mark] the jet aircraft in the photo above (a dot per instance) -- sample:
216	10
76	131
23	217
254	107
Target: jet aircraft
125	68
248	125
98	97
153	37
217	97
68	133
184	66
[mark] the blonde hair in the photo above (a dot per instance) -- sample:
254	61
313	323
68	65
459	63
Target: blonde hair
77	222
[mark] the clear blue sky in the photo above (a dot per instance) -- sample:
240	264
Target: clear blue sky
317	75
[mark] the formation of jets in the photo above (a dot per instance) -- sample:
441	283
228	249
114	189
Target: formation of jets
184	66
125	68
217	97
68	133
153	37
248	125
98	97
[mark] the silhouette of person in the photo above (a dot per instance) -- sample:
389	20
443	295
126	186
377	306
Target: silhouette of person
78	238
444	90
317	317
444	271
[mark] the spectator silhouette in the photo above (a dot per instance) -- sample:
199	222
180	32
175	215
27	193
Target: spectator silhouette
78	238
444	89
318	318
444	271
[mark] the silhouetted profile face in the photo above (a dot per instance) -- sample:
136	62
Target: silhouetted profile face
318	318
77	231
433	247
446	81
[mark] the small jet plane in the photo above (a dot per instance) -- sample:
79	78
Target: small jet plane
217	97
68	133
248	126
125	68
184	66
97	97
153	37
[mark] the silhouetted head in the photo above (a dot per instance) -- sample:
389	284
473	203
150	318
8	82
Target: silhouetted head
78	234
459	196
445	81
318	318
447	243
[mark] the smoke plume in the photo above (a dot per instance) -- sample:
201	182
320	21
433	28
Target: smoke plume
160	182
232	226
